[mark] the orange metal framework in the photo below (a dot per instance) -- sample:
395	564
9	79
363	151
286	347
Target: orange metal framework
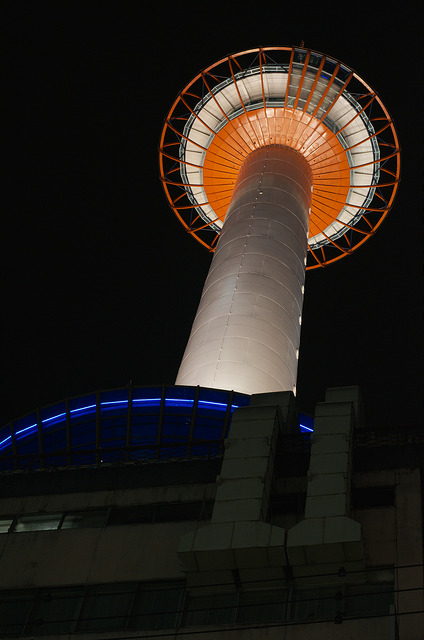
292	126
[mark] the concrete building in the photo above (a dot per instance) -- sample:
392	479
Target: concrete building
213	526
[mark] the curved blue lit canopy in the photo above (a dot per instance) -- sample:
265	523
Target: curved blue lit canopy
119	425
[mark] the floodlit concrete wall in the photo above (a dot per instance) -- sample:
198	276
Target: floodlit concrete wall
328	537
239	537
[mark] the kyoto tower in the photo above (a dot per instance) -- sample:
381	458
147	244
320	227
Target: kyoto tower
278	160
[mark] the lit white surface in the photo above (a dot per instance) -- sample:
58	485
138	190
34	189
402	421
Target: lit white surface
246	333
209	116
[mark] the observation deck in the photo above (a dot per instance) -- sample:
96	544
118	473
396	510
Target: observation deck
290	96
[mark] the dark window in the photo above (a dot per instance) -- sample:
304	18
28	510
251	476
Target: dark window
369	497
132	515
315	602
172	512
166	512
287	503
5	524
262	606
211	608
157	605
220	607
83	519
55	611
106	607
368	599
15	607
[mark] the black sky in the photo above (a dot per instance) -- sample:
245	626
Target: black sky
101	283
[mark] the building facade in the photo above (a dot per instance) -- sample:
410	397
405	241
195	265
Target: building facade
267	531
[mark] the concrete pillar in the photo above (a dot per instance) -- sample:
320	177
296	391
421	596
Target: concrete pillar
238	536
328	538
246	333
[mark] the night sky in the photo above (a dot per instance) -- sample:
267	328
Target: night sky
100	281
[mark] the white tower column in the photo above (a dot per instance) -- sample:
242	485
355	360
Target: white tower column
246	332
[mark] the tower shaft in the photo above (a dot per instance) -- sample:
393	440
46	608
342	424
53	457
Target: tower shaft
246	332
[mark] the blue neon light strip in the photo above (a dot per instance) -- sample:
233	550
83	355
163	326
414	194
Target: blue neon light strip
303	426
146	402
111	404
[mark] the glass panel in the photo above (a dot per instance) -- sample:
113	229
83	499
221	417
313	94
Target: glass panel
15	607
288	503
207	509
25	426
106	607
5	524
214	399
178	511
177	424
55	440
373	497
52	415
83	406
83	433
132	515
240	400
262	606
328	605
306	604
157	606
55	611
38	522
116	399
84	519
368	599
214	608
208	427
5	438
146	397
316	603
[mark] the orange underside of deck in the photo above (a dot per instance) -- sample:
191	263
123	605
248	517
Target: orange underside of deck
295	129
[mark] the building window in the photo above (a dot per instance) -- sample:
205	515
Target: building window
15	608
136	514
315	603
157	605
370	497
268	605
210	608
106	607
83	519
161	605
287	503
38	522
351	601
55	611
368	599
5	524
239	606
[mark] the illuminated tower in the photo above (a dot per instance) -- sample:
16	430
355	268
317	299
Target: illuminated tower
277	159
